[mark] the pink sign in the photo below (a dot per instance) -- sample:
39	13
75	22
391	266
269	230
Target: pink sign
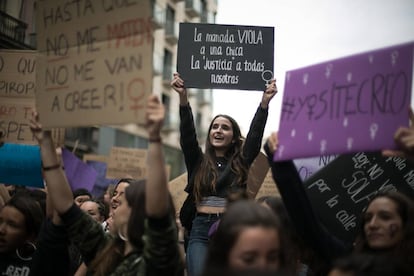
346	105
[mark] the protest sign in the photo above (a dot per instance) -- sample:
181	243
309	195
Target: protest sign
95	61
18	73
21	165
257	174
14	120
268	187
127	163
308	166
346	105
176	188
17	91
225	56
99	163
78	173
341	190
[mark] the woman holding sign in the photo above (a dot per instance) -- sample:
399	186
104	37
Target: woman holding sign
386	225
146	240
220	171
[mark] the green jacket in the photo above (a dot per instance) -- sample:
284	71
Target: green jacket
160	256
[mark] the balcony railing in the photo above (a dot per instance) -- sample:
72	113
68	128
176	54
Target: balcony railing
12	27
171	32
193	7
158	15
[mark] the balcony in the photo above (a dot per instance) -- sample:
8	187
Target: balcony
171	32
12	32
158	16
193	8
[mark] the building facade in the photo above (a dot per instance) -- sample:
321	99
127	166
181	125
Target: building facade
18	31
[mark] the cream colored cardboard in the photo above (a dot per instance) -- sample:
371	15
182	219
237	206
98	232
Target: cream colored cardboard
95	65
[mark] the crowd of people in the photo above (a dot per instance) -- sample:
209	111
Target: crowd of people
132	229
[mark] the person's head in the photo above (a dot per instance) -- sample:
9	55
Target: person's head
224	136
365	265
248	237
80	195
128	217
108	194
20	221
387	223
95	209
119	190
127	224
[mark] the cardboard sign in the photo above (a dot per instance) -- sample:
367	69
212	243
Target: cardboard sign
346	105
14	120
17	73
21	165
78	173
225	56
17	91
257	174
268	187
341	190
95	62
126	162
176	188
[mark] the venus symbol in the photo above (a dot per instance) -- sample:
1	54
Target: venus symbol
323	146
305	78
373	130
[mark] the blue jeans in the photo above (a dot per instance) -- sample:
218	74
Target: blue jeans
198	244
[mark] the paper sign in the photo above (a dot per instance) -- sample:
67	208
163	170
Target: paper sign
99	163
225	56
345	105
21	165
95	65
308	166
341	190
126	162
78	173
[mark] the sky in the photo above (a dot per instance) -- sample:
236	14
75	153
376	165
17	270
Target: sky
309	32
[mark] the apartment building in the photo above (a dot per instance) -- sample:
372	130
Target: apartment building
18	31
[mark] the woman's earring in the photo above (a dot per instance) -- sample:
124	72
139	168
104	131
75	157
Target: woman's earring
29	246
122	235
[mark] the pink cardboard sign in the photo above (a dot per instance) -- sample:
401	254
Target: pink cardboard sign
346	105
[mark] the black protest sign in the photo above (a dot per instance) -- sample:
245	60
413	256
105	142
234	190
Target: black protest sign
225	56
341	190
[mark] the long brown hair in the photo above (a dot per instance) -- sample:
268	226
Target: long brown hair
207	173
405	208
108	259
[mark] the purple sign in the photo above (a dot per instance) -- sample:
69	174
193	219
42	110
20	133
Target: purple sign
101	183
78	173
346	105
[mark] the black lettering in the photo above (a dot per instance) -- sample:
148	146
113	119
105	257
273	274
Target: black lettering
377	90
400	83
84	71
88	38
